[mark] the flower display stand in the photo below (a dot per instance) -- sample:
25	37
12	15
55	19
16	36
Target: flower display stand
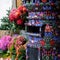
42	29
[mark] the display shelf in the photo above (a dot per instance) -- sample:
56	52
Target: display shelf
34	44
35	17
40	4
41	10
33	34
41	18
42	27
37	25
29	4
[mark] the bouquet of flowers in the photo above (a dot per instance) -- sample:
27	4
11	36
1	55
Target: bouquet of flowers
18	17
13	47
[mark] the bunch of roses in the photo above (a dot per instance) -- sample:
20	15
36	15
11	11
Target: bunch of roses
16	15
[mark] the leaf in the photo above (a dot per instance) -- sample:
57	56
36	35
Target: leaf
20	58
5	20
1	51
5	55
13	57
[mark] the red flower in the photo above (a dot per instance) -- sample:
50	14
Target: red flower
42	42
44	1
52	42
22	9
52	4
11	15
14	14
11	18
19	22
17	14
37	4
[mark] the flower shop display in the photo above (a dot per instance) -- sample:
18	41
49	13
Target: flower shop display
13	47
42	29
41	20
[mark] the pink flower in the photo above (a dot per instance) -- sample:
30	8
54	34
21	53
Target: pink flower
7	40
8	37
4	42
1	44
3	38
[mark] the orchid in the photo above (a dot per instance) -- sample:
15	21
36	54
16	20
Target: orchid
4	42
1	45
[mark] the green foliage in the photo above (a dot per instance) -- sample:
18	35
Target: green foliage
22	56
4	54
6	24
